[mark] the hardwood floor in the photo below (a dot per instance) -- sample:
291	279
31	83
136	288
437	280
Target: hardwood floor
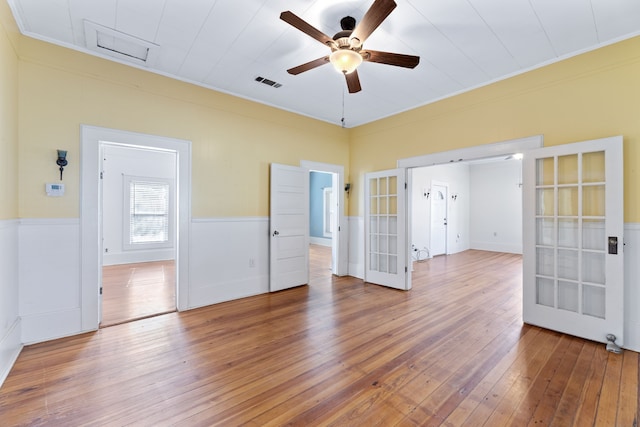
135	291
452	351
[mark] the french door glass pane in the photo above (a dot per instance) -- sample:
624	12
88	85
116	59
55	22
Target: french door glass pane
568	169
568	264
383	263
545	174
383	224
593	267
593	301
593	200
593	234
382	229
568	296
544	292
545	262
593	167
544	232
545	201
570	233
568	201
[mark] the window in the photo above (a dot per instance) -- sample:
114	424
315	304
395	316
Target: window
148	213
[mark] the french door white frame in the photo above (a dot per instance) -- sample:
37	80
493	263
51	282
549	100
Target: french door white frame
90	214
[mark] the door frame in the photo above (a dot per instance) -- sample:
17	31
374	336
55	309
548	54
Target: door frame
91	215
103	145
503	148
339	242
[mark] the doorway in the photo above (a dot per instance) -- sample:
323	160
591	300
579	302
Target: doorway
91	214
138	205
334	234
322	218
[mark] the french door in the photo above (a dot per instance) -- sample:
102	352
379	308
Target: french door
289	227
573	225
385	229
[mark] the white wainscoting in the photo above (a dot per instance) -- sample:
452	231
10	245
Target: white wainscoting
228	259
49	266
632	286
10	325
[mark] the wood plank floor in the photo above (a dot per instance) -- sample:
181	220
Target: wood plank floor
135	291
452	351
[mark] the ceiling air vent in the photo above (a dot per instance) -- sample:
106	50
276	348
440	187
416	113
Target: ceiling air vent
268	82
108	41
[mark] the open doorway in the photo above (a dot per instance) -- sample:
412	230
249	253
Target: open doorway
482	191
322	220
138	229
326	213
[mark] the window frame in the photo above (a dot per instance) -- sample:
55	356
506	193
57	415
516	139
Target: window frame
126	211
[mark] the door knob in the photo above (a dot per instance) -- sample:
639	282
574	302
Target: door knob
275	233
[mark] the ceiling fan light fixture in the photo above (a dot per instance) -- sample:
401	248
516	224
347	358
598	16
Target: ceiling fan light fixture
345	60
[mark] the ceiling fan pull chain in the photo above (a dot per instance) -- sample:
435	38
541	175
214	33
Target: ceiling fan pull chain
342	119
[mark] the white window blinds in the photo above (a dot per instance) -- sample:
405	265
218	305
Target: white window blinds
148	212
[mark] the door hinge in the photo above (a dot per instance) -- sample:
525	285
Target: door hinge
100	290
101	175
405	185
406	270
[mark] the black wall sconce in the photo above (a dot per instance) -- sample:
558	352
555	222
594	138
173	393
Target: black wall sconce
62	161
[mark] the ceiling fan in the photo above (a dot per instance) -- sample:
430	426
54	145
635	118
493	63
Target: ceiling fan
347	52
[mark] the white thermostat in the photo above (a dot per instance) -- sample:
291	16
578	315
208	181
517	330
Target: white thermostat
55	190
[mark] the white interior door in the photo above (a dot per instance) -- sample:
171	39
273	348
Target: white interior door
573	225
289	227
438	242
385	229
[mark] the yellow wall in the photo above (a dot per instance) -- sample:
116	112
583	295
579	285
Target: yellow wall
589	96
234	140
8	119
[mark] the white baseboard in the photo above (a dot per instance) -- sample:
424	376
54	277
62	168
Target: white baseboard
133	257
497	247
322	241
10	348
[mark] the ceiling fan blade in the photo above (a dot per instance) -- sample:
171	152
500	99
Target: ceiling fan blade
377	13
308	66
302	25
397	59
353	82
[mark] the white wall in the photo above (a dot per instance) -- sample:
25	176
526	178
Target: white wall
457	177
10	325
496	206
118	162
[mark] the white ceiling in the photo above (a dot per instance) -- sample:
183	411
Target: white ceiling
225	44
